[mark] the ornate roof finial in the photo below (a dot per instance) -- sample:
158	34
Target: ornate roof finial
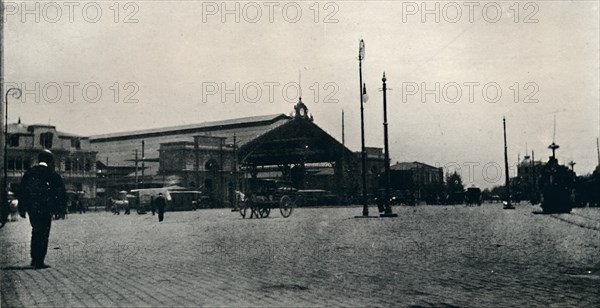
301	111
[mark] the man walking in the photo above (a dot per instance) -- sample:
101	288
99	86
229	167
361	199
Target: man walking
41	194
153	205
161	205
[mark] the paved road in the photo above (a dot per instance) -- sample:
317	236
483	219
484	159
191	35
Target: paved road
429	256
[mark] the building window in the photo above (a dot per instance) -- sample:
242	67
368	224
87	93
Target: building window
10	163
76	143
88	164
46	140
17	164
67	164
13	140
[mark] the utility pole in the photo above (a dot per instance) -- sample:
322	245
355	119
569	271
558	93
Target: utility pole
222	188
197	161
508	205
598	150
143	164
554	146
533	178
136	169
235	174
343	162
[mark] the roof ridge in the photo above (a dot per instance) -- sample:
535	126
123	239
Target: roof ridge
249	119
14	128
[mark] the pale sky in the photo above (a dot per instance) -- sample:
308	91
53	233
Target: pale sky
179	54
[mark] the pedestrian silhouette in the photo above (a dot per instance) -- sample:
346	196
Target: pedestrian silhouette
153	205
41	194
161	205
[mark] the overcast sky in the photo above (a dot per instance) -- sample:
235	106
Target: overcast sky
176	57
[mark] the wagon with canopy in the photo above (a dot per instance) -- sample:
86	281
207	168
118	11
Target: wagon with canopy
266	195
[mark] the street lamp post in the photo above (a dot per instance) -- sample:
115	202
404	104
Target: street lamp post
16	93
388	208
361	56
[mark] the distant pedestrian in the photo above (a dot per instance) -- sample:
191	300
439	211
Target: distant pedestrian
153	205
161	205
380	202
41	194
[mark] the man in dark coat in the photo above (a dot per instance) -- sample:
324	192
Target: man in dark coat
161	205
41	194
153	205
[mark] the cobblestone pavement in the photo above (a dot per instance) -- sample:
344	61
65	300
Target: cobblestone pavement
428	256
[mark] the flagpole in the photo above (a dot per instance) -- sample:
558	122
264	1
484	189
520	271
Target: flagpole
365	211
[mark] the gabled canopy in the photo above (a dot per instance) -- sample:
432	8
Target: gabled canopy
296	141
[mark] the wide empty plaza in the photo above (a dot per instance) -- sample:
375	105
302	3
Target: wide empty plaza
428	256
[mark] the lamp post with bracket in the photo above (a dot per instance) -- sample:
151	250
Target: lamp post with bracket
16	93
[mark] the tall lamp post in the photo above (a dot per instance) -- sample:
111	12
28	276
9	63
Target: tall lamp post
16	93
361	57
388	208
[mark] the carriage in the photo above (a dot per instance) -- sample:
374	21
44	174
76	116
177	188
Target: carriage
266	195
473	196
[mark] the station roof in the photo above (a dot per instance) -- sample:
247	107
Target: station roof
233	126
262	140
118	148
297	141
403	166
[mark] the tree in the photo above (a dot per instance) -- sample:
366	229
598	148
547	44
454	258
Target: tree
454	188
454	183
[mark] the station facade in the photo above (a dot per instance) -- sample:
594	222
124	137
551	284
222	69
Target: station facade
220	157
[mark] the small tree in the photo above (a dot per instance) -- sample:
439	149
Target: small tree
454	188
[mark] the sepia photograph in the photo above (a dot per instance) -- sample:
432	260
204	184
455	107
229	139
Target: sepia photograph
307	153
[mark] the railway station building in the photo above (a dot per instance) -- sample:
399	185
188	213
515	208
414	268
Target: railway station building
220	157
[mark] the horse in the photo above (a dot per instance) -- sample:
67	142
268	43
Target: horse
117	205
13	210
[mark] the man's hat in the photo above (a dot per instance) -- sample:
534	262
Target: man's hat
45	156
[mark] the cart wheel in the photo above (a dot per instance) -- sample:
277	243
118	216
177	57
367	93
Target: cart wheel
286	206
264	212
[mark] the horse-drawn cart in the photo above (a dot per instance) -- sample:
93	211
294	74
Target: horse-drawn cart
267	195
